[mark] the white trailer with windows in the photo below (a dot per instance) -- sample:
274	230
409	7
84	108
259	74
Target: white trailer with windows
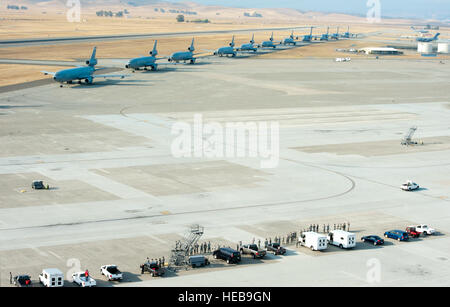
313	240
341	238
51	278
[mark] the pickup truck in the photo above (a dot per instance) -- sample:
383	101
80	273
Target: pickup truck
111	272
82	280
412	232
153	268
276	249
252	249
425	229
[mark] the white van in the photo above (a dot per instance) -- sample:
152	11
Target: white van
342	238
51	278
313	240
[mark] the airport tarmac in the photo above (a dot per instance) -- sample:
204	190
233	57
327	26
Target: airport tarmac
118	194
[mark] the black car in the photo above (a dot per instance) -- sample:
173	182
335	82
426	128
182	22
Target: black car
228	254
22	281
39	185
375	240
276	249
153	268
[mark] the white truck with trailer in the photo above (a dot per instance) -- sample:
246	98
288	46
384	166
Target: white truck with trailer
51	278
342	239
313	240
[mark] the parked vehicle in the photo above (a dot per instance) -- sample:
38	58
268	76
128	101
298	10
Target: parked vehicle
83	279
313	240
341	238
51	278
276	248
412	232
228	254
409	186
375	240
39	185
425	229
398	235
22	281
153	268
111	272
252	249
198	261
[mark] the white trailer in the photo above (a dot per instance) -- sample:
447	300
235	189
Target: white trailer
341	238
313	240
51	278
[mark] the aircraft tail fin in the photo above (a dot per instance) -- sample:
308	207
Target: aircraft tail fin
192	48
271	37
154	52
253	39
93	61
436	36
232	42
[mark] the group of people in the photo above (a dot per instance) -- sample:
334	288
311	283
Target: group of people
160	261
195	249
291	238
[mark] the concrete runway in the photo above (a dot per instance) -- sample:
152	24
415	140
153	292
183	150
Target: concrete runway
102	38
119	195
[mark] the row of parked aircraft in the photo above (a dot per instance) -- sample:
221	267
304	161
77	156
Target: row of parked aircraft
86	73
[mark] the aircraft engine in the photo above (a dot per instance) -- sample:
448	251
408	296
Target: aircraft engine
91	63
88	80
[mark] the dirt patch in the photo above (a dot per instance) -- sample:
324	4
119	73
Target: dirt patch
380	148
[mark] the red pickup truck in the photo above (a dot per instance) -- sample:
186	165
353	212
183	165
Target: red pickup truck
412	232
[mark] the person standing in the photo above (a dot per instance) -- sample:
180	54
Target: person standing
10	278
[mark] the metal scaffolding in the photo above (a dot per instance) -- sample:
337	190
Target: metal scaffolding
407	139
180	254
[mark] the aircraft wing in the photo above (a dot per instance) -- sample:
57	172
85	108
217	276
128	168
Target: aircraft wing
48	73
109	76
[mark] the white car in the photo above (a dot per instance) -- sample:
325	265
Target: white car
425	229
82	280
111	272
409	186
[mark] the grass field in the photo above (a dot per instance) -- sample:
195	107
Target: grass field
16	26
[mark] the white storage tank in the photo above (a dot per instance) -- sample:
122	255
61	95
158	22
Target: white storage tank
443	48
425	48
419	47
